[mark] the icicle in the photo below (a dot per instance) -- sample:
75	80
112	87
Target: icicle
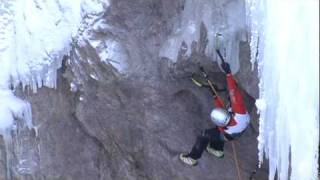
12	109
255	22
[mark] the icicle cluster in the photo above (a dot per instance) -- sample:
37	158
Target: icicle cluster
34	36
288	65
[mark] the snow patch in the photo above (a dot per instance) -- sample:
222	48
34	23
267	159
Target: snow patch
115	55
112	53
93	76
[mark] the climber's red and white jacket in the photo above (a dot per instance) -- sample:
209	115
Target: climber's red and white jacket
240	118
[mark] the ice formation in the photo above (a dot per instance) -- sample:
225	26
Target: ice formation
288	65
34	36
224	17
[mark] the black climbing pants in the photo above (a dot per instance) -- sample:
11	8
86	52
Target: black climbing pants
211	137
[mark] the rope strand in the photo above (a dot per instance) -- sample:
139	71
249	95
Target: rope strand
236	160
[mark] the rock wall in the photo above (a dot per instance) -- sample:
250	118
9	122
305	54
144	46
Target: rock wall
131	121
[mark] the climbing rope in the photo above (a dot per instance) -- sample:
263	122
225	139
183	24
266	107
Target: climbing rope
236	161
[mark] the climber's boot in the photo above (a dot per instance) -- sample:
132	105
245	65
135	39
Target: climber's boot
217	153
188	160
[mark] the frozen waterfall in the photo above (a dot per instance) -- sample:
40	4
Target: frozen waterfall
34	36
288	64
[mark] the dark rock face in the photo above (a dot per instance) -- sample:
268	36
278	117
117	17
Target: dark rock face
133	124
247	75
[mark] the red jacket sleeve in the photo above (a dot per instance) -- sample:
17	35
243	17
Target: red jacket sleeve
217	101
236	98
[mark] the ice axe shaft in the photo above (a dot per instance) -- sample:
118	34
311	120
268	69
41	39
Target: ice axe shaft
220	55
219	43
212	87
196	82
209	82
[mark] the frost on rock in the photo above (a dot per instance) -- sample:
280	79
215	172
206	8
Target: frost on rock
224	17
100	51
96	50
288	67
111	52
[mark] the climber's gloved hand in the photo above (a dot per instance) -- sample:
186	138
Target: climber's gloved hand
226	67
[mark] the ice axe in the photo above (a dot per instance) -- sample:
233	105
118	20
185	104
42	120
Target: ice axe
220	55
205	75
219	38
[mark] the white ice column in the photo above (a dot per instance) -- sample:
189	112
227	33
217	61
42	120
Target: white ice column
288	67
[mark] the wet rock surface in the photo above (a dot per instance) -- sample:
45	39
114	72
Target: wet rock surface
132	123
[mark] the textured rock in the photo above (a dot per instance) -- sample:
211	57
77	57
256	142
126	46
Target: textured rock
248	75
132	123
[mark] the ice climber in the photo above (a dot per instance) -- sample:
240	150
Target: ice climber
230	124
